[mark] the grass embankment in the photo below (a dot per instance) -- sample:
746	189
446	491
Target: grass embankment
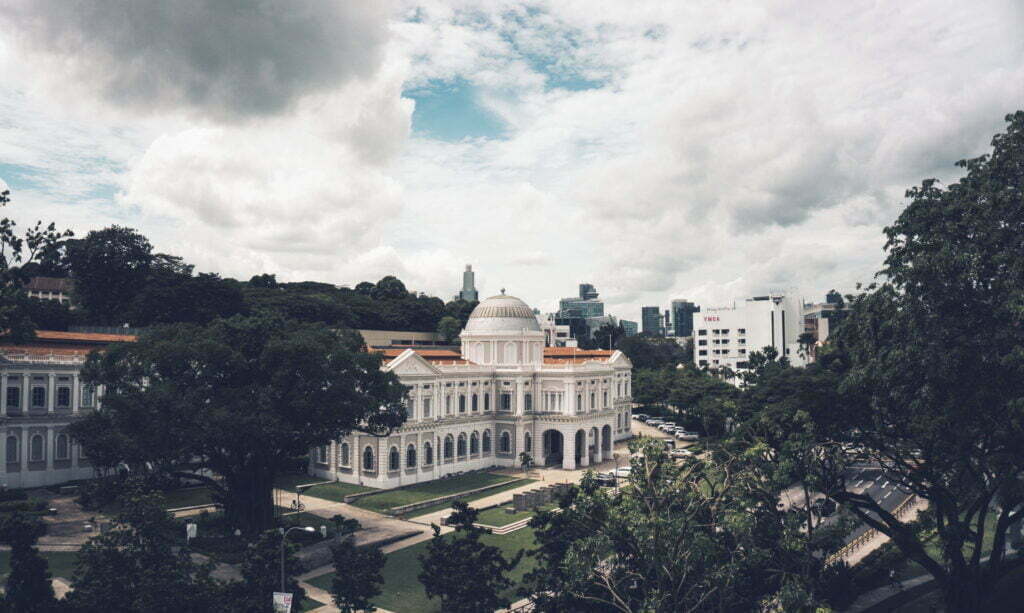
403	593
62	563
498	516
471	497
390	499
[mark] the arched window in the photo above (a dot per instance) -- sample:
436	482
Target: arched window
487	402
428	454
62	451
476	403
12	450
462	403
35	448
474	443
448	405
449	447
528	443
579	402
487	441
462	445
410	456
394	459
368	458
605	399
506	443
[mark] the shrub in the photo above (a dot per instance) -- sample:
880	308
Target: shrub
7	495
11	506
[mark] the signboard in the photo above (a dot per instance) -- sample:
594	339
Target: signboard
282	602
190	531
711	318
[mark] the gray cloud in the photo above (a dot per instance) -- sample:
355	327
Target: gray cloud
216	58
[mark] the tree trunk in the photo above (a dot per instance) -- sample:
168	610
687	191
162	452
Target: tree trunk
963	594
249	503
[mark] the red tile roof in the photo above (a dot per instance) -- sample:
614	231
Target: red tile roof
86	337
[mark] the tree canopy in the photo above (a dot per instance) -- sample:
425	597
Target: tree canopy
240	397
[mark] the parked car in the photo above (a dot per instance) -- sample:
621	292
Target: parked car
641	416
622	472
688	436
655	422
666	427
681	453
605	478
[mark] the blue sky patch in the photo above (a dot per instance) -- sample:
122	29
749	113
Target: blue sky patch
451	111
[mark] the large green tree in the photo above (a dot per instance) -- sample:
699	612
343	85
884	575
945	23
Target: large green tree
468	575
21	256
139	566
696	536
110	268
357	576
28	586
933	363
234	402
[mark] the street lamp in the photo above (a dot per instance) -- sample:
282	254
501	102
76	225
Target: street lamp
284	535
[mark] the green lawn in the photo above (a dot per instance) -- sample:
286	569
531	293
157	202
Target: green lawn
403	593
188	497
471	498
333	490
432	489
497	517
62	563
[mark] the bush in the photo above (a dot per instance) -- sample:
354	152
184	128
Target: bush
7	495
24	506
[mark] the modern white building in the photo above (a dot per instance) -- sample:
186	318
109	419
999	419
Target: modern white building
503	394
725	336
42	395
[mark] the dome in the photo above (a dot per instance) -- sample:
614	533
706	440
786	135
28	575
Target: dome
502	314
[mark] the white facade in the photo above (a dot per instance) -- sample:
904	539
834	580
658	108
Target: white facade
41	396
504	395
725	337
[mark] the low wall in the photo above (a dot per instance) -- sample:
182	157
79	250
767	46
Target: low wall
405	509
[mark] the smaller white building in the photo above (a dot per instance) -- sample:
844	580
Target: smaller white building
725	336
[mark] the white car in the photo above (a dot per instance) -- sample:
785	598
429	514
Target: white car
687	436
681	453
641	417
655	422
623	472
667	427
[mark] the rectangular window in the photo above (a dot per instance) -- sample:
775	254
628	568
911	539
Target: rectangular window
702	332
702	342
426	407
88	395
13	397
63	397
741	330
506	402
38	397
529	402
702	352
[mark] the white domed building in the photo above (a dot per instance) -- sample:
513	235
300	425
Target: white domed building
504	394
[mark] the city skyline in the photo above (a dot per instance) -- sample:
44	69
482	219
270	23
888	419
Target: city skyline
657	153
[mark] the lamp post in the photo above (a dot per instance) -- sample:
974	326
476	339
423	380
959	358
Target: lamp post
284	535
615	456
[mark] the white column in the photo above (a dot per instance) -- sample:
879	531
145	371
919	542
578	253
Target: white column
23	440
49	448
569	451
26	391
76	394
332	459
597	446
51	391
585	454
520	397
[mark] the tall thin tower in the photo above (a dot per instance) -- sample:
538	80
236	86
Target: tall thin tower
468	292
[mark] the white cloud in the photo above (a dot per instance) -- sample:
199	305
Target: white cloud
711	153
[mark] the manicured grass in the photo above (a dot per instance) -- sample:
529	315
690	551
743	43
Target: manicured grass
308	604
62	563
471	498
497	517
333	490
425	491
403	593
187	497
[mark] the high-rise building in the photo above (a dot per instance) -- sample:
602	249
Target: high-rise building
468	292
682	317
629	328
587	291
650	319
724	337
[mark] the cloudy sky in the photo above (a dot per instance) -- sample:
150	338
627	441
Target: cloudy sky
706	150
